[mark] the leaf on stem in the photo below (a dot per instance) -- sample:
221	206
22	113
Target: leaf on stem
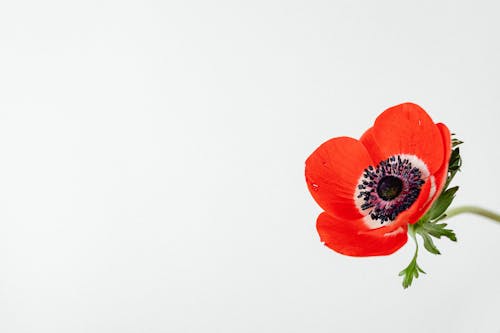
411	271
428	227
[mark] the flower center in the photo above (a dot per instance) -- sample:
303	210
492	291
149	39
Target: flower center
389	187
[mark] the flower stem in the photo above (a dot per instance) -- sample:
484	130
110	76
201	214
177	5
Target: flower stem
473	210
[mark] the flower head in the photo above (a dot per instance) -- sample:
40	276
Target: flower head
371	189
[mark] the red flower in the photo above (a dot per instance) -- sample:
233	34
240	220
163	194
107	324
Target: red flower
372	188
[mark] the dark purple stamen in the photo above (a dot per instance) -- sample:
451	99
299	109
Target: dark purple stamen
390	188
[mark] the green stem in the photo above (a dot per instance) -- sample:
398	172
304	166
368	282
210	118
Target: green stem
473	210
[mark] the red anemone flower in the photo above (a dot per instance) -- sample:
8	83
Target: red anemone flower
372	188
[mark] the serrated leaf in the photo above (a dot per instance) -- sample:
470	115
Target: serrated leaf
442	203
429	244
436	230
439	230
411	272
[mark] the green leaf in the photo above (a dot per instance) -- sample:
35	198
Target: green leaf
429	244
456	142
439	230
411	271
434	229
453	166
440	218
431	228
455	160
442	203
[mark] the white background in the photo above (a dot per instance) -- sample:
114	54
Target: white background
152	156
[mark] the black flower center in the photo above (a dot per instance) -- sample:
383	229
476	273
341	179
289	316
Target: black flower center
389	187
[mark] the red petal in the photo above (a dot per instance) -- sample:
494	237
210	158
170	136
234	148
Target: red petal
332	174
368	140
408	129
343	237
440	175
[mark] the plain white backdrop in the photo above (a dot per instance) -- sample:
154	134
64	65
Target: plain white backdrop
152	157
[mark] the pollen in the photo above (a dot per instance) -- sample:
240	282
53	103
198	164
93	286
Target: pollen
389	188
